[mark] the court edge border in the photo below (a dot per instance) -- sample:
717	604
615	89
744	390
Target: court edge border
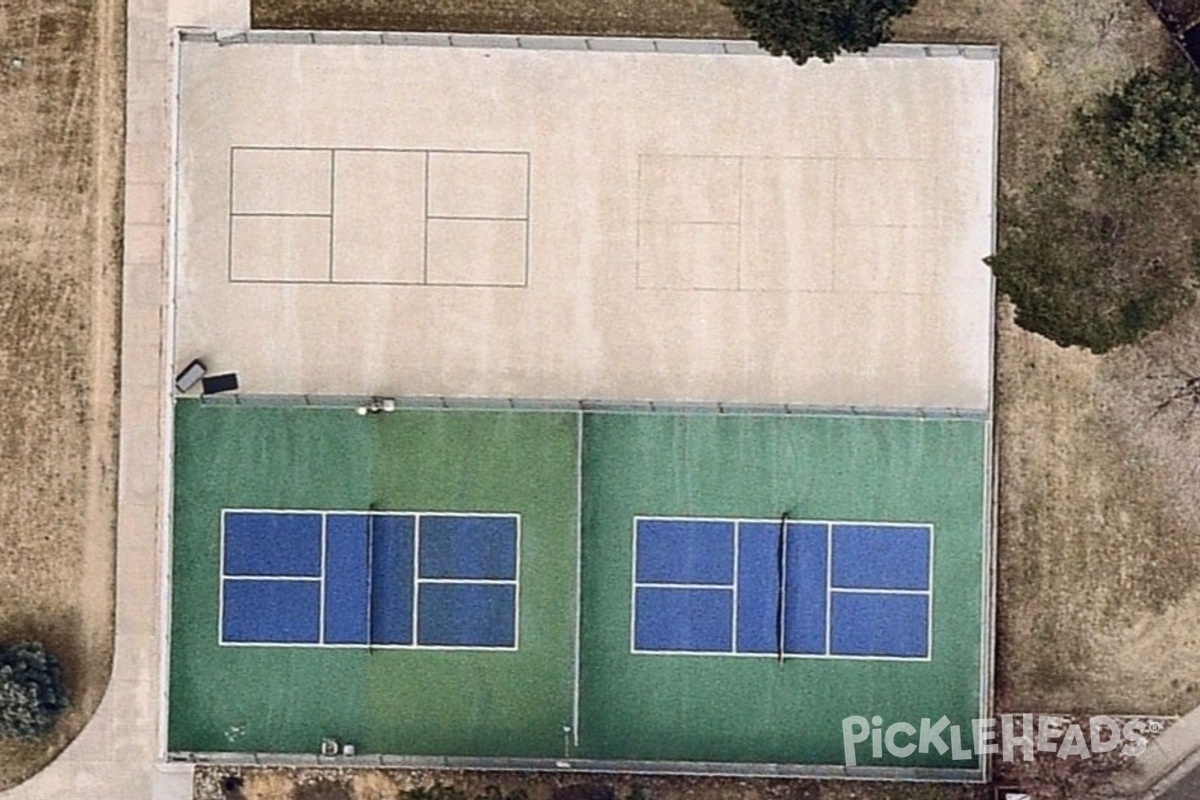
980	774
561	43
991	487
166	424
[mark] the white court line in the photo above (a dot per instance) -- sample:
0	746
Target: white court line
767	521
791	656
416	568
517	589
929	609
828	590
321	599
860	590
472	581
633	587
714	587
370	576
356	646
274	578
783	573
733	624
576	667
221	584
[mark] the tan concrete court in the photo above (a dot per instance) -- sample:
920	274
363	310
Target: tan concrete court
408	220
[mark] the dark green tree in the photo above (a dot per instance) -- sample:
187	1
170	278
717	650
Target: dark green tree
1150	123
32	692
802	29
1104	249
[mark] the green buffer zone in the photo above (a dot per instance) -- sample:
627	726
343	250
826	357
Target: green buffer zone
600	697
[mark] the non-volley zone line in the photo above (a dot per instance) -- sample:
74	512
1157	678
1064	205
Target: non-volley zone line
438	580
783	588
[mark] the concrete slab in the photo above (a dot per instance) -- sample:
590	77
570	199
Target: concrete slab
280	248
280	37
848	204
370	186
145	202
421	39
689	189
486	185
788	224
688	256
476	252
554	42
621	44
281	181
214	14
695	46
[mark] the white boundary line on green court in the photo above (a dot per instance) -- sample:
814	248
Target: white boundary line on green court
321	597
550	42
577	666
828	585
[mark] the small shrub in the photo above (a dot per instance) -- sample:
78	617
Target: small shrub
32	692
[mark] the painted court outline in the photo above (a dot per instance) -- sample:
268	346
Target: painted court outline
830	588
746	218
418	581
234	214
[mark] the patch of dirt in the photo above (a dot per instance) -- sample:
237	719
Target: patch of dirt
277	783
576	17
61	88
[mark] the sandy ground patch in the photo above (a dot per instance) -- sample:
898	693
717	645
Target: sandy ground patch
60	181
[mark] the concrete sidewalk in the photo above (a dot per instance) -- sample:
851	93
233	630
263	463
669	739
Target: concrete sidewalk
1170	767
118	756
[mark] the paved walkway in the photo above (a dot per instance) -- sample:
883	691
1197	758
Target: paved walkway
1170	767
118	755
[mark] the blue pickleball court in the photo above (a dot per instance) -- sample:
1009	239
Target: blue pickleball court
369	579
783	588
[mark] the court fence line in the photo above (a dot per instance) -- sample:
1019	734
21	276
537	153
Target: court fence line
719	769
447	403
619	44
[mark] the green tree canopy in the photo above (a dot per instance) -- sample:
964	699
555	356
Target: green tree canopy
1105	249
1150	123
802	29
32	692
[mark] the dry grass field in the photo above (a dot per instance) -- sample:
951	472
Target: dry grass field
1099	576
61	90
1100	573
692	18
